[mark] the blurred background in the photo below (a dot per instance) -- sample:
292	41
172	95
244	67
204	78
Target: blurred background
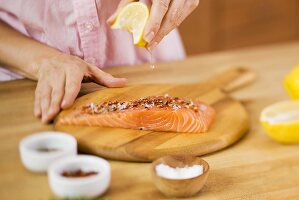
227	24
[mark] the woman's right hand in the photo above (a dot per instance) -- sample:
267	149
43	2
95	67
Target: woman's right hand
59	82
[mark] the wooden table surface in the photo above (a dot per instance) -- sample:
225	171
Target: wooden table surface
254	168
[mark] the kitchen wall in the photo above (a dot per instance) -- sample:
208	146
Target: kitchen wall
226	24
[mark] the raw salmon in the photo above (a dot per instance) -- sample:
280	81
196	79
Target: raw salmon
155	113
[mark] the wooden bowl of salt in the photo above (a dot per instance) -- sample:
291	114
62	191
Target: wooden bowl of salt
179	175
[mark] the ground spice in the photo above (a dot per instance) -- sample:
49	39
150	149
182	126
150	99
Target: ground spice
164	102
78	173
45	149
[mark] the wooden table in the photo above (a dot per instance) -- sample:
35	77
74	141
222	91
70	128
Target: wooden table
254	168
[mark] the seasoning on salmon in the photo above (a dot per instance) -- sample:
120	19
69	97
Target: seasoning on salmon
155	113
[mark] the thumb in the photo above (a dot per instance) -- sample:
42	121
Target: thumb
106	79
121	4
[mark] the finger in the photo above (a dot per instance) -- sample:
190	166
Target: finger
171	20
37	108
121	4
45	96
158	10
106	79
176	14
71	88
56	97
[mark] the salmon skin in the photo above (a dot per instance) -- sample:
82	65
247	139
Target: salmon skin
155	113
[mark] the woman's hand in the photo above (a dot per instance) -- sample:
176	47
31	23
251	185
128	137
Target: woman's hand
59	75
59	82
165	16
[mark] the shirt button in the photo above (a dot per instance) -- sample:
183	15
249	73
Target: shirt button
91	61
88	27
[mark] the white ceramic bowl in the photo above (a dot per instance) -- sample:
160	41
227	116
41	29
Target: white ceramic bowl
88	187
40	150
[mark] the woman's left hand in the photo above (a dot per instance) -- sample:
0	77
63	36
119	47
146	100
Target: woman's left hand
165	16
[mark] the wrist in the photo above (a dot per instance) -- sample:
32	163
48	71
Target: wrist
36	63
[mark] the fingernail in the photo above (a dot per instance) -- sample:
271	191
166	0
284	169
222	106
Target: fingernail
109	20
51	111
36	113
124	80
149	36
151	47
65	104
44	119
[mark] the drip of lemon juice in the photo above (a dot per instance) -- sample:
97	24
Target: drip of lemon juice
152	64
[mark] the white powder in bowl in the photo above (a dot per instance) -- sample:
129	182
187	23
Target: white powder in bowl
186	172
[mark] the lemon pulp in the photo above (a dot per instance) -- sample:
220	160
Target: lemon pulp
281	121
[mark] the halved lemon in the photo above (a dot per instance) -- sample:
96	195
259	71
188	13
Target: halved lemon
281	121
133	18
291	83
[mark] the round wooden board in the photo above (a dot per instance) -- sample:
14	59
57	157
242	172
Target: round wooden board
231	123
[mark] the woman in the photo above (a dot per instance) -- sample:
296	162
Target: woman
61	43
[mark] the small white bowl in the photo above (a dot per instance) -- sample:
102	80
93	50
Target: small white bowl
87	187
40	150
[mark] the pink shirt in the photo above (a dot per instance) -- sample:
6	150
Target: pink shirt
78	27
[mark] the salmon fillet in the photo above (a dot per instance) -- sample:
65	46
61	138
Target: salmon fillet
155	113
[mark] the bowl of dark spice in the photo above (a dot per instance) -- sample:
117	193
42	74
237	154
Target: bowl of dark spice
79	176
39	150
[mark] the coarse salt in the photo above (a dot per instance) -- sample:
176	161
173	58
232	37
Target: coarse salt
186	172
92	106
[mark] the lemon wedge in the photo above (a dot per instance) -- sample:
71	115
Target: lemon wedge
281	121
133	18
291	83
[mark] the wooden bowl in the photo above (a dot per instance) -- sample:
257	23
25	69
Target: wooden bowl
180	187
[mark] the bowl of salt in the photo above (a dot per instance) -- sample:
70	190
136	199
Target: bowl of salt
179	175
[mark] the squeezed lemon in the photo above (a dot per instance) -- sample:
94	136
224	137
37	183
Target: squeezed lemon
133	18
281	121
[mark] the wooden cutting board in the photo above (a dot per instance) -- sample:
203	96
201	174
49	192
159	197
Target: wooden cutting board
231	122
